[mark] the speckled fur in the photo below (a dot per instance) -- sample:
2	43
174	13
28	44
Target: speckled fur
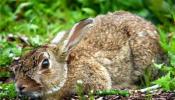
117	46
126	41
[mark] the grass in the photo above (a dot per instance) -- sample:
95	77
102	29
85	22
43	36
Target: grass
40	20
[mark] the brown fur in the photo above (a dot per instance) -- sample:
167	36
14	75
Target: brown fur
115	49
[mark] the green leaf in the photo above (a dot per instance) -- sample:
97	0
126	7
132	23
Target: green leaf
172	58
159	66
35	41
166	82
89	11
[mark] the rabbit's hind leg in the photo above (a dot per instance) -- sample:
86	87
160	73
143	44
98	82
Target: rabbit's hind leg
143	52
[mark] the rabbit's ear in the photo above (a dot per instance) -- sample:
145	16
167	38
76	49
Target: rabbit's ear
76	34
60	37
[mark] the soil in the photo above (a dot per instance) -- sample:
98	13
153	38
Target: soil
157	95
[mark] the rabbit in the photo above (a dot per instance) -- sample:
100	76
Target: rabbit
104	52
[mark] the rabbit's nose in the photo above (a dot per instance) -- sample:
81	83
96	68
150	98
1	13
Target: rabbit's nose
21	88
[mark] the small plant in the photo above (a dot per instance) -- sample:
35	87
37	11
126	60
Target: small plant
7	91
8	50
79	90
167	82
91	95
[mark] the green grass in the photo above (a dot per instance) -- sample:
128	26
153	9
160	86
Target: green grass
40	20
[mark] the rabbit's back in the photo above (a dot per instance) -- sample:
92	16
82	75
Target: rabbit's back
114	29
123	43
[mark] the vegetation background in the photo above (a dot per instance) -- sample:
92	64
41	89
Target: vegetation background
35	22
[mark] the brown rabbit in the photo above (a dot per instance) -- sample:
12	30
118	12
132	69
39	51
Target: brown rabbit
106	51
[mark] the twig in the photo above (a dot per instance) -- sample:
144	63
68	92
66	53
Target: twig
150	88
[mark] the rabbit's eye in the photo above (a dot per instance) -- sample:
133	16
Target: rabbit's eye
45	63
